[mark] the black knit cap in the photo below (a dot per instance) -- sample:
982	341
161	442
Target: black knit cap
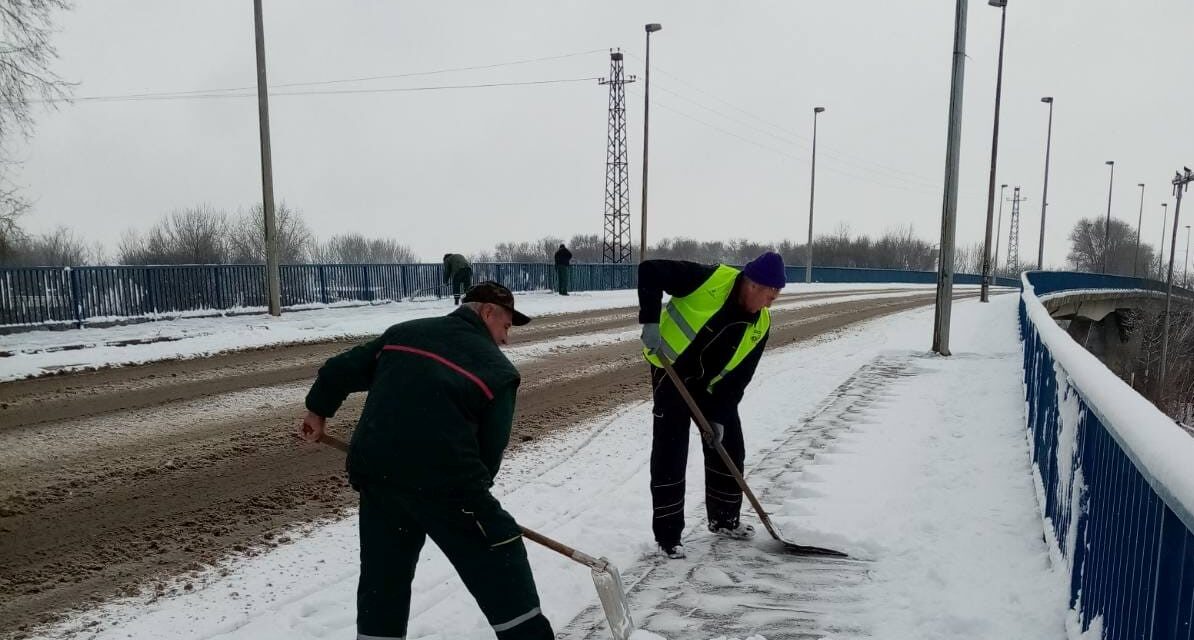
495	293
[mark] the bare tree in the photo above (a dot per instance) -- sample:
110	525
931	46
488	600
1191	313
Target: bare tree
61	247
194	236
1089	240
246	238
25	80
354	248
587	248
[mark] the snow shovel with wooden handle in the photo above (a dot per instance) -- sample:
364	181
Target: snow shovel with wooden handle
606	577
710	437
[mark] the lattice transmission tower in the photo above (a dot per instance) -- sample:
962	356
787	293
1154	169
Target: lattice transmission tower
1013	238
616	247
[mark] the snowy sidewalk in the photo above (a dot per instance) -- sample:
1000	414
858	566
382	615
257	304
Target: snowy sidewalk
916	465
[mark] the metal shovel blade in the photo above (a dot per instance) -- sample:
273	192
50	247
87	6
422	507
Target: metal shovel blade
612	594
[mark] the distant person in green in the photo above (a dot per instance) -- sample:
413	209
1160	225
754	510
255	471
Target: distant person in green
423	456
563	269
458	273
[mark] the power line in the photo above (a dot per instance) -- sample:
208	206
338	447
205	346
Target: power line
917	182
907	186
412	74
221	96
875	166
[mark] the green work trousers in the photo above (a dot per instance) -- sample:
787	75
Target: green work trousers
563	275
461	281
478	537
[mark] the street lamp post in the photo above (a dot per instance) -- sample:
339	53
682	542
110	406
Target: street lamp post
1107	228
984	293
273	286
943	308
642	242
1139	221
1040	252
812	188
1161	256
998	231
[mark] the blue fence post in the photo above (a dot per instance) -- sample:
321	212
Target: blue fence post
219	288
76	297
323	285
150	299
368	293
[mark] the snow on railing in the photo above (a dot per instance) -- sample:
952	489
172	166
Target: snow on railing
1116	482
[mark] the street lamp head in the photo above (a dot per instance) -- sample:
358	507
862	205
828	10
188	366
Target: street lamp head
1110	163
653	27
818	109
997	3
1003	186
1140	185
1047	99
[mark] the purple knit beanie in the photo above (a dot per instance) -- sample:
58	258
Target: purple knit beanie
767	270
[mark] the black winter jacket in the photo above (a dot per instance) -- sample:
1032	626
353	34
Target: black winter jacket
440	404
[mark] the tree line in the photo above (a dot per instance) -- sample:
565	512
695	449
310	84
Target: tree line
206	235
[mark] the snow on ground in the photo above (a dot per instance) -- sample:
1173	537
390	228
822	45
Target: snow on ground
930	486
39	352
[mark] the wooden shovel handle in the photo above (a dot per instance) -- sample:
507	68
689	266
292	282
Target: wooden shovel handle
707	430
534	536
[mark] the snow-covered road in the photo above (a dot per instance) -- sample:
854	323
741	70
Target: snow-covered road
916	465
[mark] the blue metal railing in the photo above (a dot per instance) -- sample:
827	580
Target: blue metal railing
855	274
65	296
1118	509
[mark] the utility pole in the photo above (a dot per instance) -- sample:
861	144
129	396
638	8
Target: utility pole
1181	182
1161	257
1186	260
1013	237
1107	228
272	285
1040	252
1139	221
812	189
650	28
998	230
984	290
949	205
616	246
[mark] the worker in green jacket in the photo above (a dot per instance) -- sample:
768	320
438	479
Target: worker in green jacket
423	457
458	273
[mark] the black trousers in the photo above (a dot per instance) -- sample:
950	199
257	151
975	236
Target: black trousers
460	282
479	538
669	461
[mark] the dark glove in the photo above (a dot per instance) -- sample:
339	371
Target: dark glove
719	431
651	338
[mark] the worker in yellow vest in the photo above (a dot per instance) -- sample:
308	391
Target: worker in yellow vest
712	331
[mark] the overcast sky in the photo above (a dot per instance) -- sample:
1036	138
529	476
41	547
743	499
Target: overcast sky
733	89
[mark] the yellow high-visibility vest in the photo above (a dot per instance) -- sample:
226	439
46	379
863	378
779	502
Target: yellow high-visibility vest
683	317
